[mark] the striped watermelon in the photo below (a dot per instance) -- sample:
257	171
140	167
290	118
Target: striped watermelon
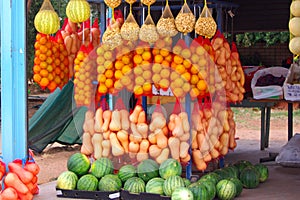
102	167
87	182
238	185
155	186
199	191
126	172
171	183
182	193
110	183
78	10
170	167
147	169
79	164
223	173
263	172
210	187
134	185
226	189
212	176
232	171
249	177
187	182
46	21
67	180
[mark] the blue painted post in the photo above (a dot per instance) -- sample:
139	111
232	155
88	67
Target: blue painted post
13	80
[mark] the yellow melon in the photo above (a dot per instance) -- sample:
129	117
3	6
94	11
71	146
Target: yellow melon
294	26
47	22
295	8
78	10
294	45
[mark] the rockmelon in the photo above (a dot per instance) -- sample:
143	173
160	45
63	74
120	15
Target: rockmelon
294	26
295	8
47	22
294	45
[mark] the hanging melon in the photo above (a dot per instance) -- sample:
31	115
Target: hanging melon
294	45
46	20
295	8
78	11
294	26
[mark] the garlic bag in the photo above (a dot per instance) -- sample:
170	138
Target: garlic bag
166	24
206	25
185	20
148	32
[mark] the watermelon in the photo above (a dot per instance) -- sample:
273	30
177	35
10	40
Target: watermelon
212	176
187	182
241	164
249	177
263	172
109	183
155	186
126	172
134	185
79	164
199	191
67	180
210	187
226	189
170	167
232	171
147	169
224	174
171	183
182	193
102	167
87	182
238	186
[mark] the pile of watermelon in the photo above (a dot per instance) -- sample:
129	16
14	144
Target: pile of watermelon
164	179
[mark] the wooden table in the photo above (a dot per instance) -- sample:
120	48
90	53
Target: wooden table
265	106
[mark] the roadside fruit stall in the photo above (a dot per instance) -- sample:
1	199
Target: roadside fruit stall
181	68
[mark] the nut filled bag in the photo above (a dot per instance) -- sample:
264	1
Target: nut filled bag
185	20
166	24
148	32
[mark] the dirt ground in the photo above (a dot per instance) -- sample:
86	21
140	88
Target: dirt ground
53	160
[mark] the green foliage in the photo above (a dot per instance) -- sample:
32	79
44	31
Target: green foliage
269	38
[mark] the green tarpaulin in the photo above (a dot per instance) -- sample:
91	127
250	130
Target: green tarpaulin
57	120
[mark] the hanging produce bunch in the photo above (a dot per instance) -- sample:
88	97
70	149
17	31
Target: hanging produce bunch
112	35
162	58
78	11
130	29
166	24
294	27
206	25
185	20
51	62
230	68
85	76
148	32
46	20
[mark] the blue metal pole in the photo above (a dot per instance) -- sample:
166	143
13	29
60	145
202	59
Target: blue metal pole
13	80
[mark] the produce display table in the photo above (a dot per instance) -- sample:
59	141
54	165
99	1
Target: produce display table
265	106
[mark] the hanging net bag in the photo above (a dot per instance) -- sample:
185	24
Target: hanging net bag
113	3
148	2
185	20
166	24
206	25
148	32
130	29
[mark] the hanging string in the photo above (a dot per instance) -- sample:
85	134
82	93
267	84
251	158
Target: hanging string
130	11
167	2
148	9
184	1
113	14
205	4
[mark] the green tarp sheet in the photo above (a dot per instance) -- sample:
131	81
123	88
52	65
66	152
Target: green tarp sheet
57	120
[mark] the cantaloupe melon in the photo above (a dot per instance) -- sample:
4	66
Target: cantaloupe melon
295	8
294	45
294	26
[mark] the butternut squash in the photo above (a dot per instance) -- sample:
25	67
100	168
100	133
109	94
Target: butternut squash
97	144
224	139
134	148
198	160
142	117
186	159
12	180
98	120
157	123
185	137
161	139
142	128
154	151
163	156
137	136
174	145
116	148
123	137
143	152
133	117
106	148
184	149
106	135
125	119
194	140
87	146
115	123
204	146
165	130
106	120
196	122
207	157
152	138
214	153
178	130
89	123
171	124
185	121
